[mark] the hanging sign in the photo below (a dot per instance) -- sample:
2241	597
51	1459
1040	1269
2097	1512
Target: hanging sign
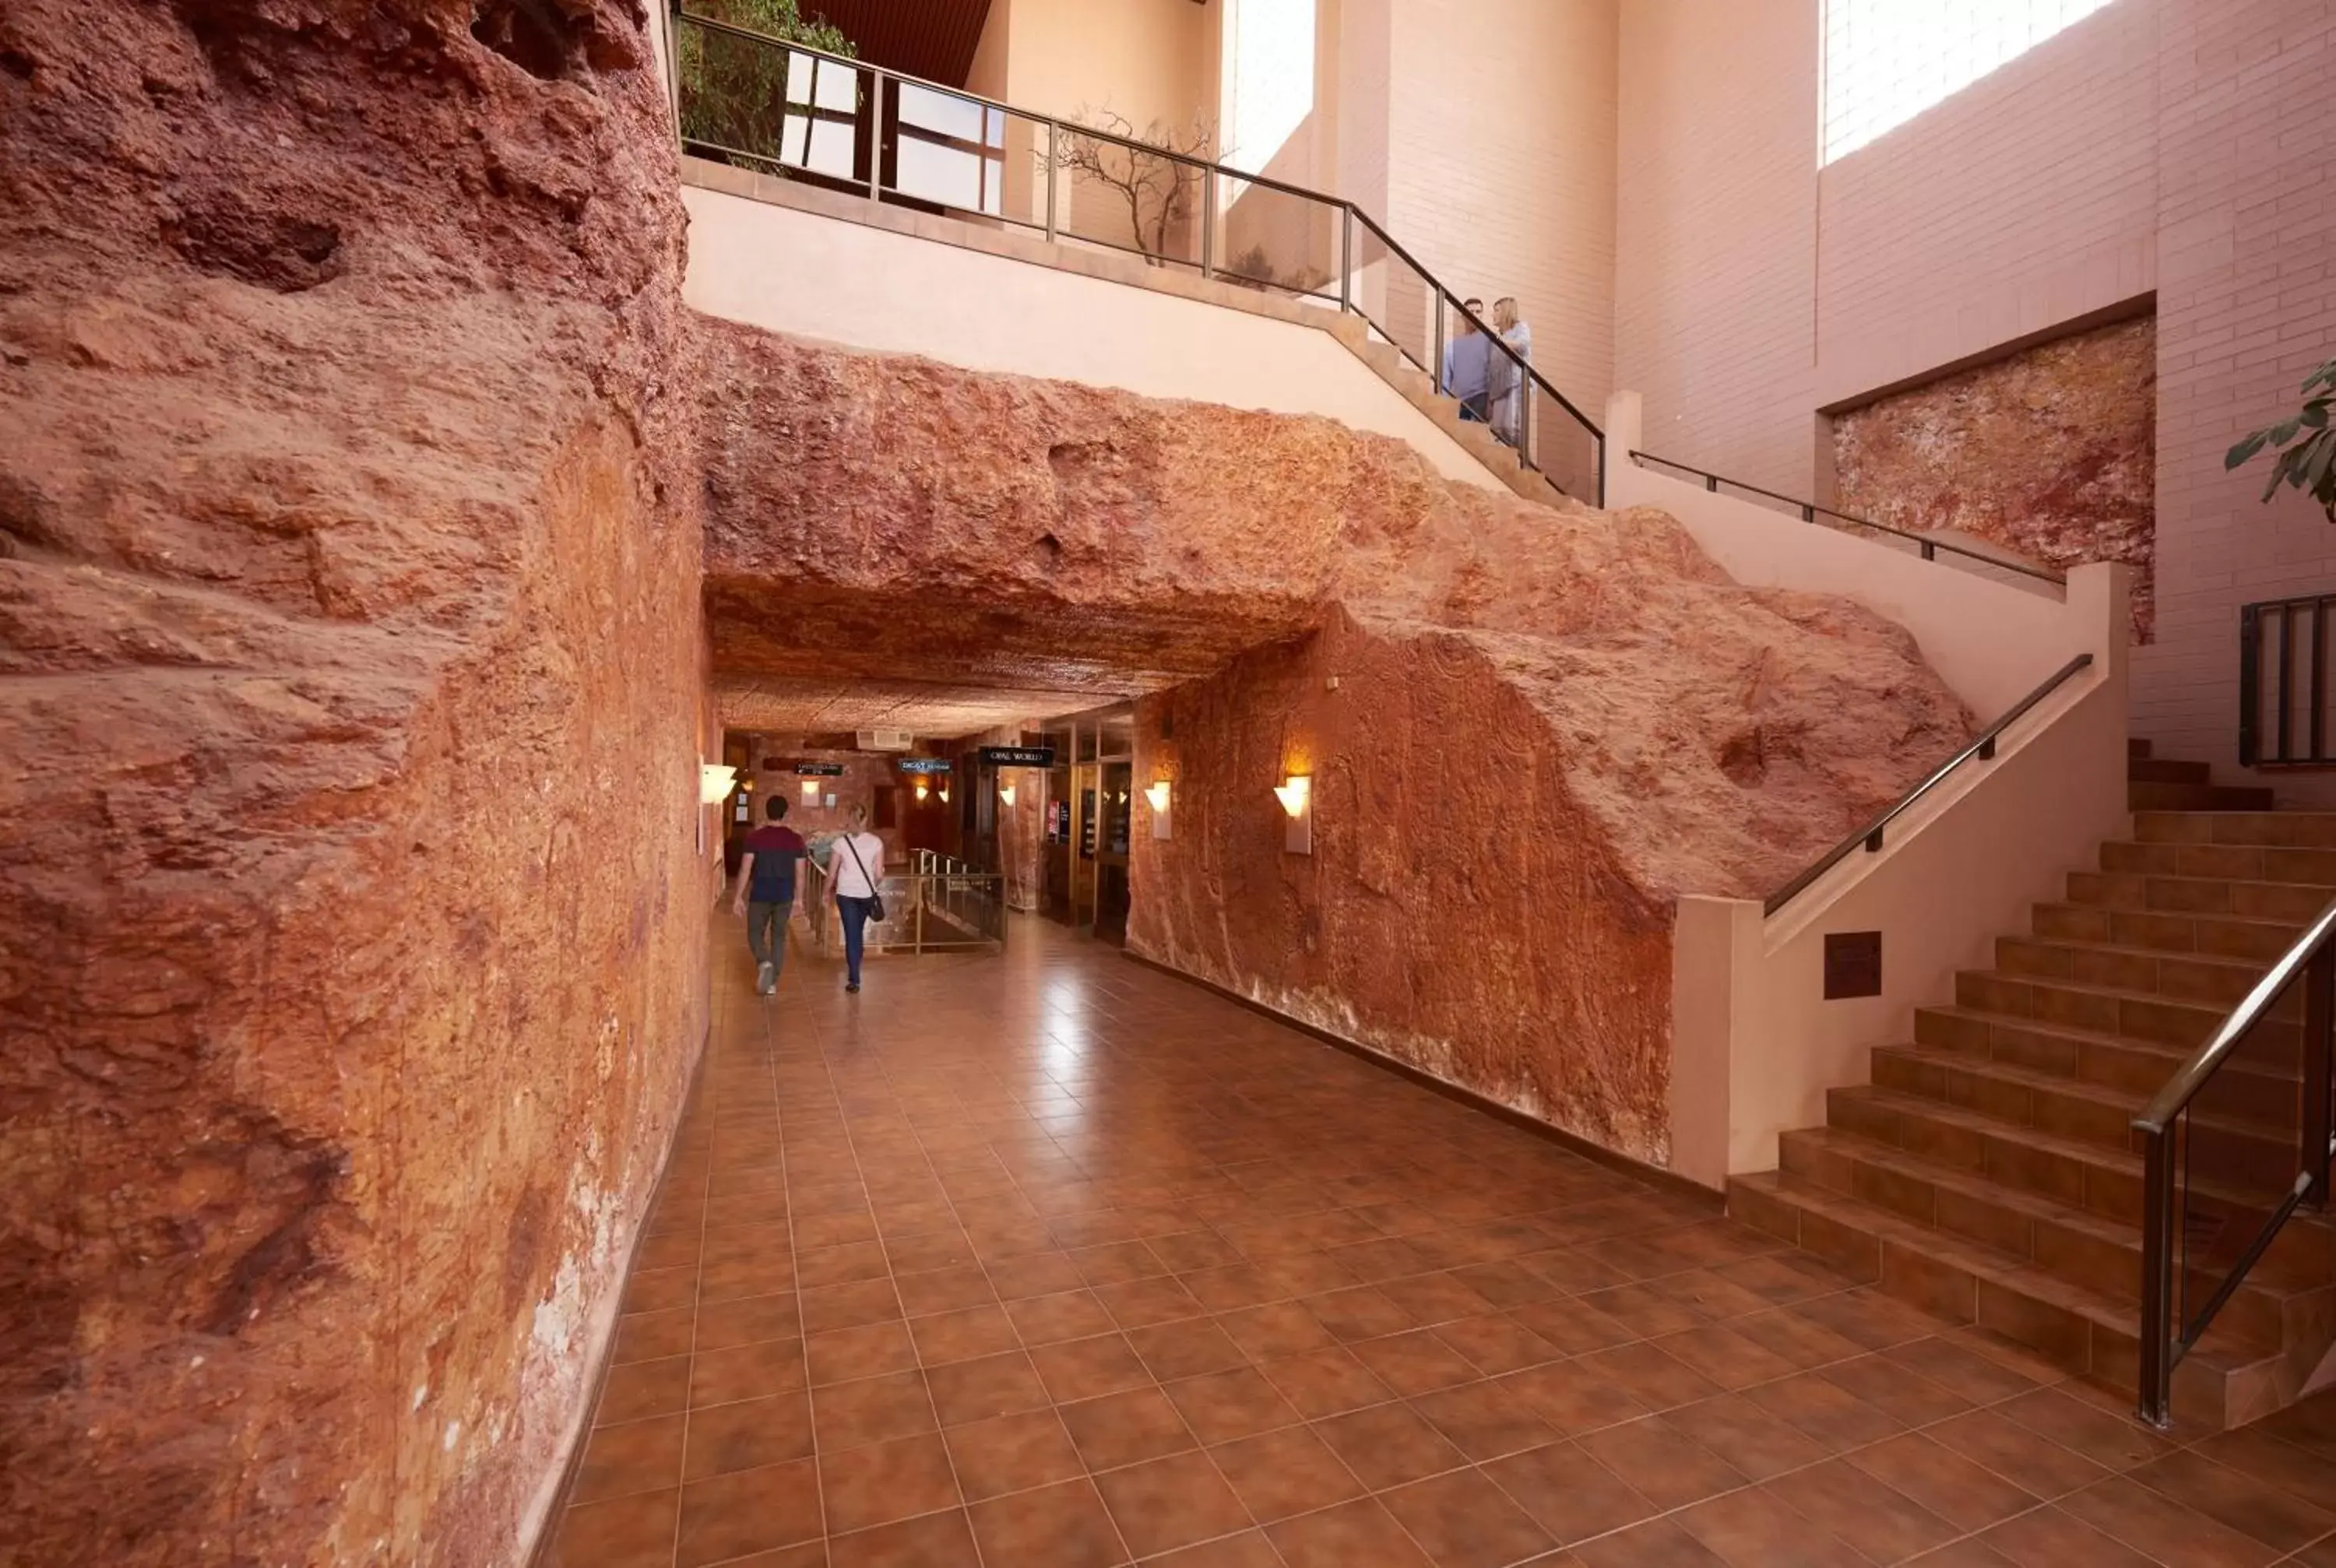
925	764
819	770
1018	756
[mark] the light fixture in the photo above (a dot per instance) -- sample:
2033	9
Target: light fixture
1005	794
715	781
1157	793
1297	796
944	795
921	791
811	789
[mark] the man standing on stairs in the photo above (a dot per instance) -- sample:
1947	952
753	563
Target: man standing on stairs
766	891
1467	367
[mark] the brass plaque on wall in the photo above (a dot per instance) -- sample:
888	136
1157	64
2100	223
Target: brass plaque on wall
1853	964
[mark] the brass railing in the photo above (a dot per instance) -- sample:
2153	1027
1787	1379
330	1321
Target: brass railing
2237	1141
925	911
785	109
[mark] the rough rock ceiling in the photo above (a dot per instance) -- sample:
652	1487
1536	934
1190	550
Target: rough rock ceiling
934	39
929	710
790	656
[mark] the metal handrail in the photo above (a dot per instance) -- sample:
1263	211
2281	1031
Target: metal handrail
1871	834
1810	509
2164	1339
1530	377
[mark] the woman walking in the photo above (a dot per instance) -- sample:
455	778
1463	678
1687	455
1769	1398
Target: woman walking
855	870
1508	379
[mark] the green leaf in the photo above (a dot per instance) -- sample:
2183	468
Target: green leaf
2323	377
2320	454
2271	487
2245	449
2285	431
2316	414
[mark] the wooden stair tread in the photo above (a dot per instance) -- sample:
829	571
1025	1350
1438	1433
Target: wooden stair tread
2101	1154
2174	1055
2256	966
1975	1184
1988	1264
2284	927
2103	1095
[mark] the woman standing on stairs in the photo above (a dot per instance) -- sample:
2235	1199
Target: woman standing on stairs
1508	379
855	869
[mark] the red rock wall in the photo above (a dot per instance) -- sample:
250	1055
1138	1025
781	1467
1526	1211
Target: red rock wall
351	973
1462	910
2053	453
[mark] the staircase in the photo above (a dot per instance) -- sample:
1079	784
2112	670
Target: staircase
1988	1172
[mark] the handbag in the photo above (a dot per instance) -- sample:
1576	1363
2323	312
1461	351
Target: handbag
875	898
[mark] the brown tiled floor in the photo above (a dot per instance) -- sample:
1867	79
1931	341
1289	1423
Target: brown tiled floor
1050	1259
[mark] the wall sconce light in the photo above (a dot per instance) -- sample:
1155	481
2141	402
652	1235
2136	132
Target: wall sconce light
944	795
810	789
714	781
1005	794
1157	793
1297	796
921	791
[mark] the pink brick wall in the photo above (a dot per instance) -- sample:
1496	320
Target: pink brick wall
1500	166
2176	145
2028	199
2246	303
1716	231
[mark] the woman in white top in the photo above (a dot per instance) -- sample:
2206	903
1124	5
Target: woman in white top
855	869
1507	380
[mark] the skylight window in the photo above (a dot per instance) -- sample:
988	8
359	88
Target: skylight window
1273	78
1886	61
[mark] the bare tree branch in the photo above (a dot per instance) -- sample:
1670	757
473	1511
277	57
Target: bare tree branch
1158	187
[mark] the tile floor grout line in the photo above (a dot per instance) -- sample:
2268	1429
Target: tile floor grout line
1122	1186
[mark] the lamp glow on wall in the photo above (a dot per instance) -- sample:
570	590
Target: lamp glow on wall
1158	792
944	795
1296	793
1006	792
810	789
715	781
921	791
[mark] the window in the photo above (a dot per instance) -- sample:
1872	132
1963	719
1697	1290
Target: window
1886	61
1273	78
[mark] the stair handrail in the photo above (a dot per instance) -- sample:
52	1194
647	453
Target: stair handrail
1810	509
1871	835
2166	1339
1529	376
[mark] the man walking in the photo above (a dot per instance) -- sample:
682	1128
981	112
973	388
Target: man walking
766	891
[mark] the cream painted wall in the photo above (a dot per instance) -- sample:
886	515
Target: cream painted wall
1143	60
1501	166
1716	233
866	287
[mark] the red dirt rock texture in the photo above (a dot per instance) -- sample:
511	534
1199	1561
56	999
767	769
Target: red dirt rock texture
350	976
1549	722
2051	453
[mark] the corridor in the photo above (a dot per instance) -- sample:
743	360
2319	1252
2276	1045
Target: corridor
1053	1260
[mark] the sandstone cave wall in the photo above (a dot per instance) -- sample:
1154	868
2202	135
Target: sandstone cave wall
1461	910
351	973
2051	453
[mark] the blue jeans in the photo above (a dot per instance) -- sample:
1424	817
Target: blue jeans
855	932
